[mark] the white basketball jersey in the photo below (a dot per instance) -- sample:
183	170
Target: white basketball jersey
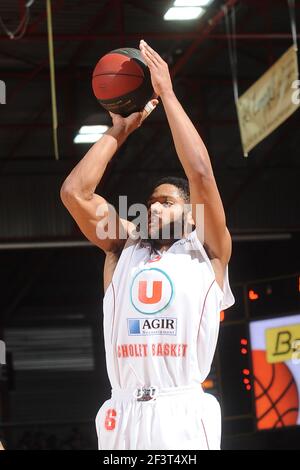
162	315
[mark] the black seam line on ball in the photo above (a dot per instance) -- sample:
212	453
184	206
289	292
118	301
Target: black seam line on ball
136	54
114	73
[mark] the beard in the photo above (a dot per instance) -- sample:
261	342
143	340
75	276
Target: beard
167	234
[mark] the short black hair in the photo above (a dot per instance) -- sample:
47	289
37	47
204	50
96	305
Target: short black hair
181	184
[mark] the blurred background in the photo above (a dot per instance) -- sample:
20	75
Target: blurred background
55	379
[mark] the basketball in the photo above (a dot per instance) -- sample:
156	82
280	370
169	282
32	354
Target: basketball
121	81
276	395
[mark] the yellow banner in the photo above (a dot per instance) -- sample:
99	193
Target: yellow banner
283	343
270	101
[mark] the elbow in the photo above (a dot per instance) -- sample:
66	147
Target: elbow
66	192
200	172
200	168
70	193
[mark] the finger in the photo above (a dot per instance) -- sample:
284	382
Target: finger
148	58
152	51
114	115
147	53
149	107
149	62
154	102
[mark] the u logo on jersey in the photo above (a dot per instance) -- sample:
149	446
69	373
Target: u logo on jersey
151	291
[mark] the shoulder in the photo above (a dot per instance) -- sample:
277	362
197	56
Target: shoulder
226	252
113	256
129	238
127	235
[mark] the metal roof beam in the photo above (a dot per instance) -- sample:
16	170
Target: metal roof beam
166	36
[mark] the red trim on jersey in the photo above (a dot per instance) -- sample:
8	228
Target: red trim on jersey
205	434
114	310
156	258
205	302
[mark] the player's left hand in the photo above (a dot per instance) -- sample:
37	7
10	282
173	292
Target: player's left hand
159	70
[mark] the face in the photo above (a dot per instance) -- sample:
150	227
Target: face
165	213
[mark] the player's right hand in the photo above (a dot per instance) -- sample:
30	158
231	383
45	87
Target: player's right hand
134	120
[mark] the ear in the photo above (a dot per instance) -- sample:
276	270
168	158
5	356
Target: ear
189	222
190	219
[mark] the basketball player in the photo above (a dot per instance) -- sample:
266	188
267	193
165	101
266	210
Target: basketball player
163	295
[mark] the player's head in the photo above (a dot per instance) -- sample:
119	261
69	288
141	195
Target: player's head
181	184
168	208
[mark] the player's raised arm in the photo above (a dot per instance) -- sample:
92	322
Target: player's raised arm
78	190
194	158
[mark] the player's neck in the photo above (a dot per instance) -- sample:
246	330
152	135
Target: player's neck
163	245
158	245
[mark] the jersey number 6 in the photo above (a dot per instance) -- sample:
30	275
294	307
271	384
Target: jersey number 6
110	422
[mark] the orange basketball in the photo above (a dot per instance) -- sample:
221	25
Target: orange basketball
121	81
276	393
